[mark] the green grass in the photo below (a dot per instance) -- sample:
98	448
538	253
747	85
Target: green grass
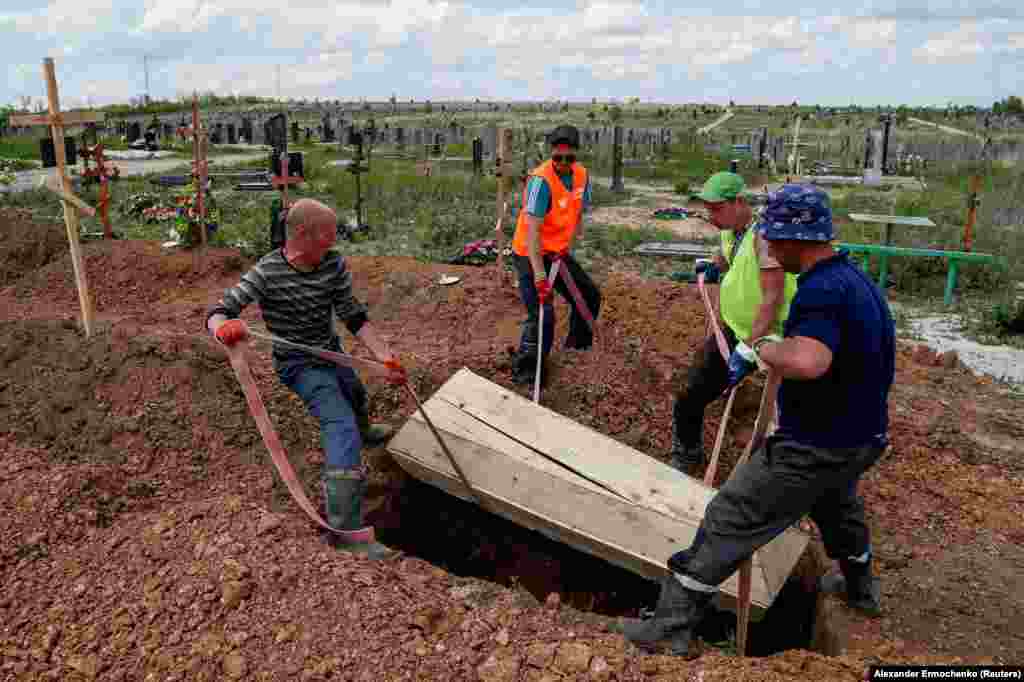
19	147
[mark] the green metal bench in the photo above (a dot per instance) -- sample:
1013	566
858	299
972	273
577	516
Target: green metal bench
953	259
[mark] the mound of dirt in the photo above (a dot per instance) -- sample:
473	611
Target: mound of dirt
142	531
27	244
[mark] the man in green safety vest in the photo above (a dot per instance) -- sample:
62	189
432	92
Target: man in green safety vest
754	301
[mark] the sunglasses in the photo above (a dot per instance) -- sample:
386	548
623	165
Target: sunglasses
563	158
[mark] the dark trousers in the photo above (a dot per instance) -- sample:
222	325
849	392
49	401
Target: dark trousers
706	380
774	489
580	335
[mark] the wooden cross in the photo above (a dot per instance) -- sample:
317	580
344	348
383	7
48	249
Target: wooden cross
501	170
61	183
200	165
284	179
103	173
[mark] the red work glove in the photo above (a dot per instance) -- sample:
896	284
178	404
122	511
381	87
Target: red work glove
543	290
398	375
231	332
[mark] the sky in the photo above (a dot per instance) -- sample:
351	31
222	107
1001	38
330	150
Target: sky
868	52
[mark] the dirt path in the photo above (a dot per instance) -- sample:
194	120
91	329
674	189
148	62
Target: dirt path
638	212
28	180
142	532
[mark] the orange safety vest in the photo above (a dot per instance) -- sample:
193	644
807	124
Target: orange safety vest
563	215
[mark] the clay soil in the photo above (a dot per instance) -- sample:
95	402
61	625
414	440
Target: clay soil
144	536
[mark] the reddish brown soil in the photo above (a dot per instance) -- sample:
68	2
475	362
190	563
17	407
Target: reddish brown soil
143	534
26	244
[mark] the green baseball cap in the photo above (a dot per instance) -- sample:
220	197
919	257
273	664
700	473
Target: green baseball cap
724	186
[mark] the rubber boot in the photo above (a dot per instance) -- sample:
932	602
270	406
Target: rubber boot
863	591
373	434
343	498
524	369
688	459
670	631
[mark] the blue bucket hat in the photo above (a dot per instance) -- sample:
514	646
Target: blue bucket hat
798	212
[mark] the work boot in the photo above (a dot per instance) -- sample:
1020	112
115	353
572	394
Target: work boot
670	631
688	459
863	591
344	491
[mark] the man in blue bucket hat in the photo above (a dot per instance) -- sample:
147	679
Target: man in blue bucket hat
837	363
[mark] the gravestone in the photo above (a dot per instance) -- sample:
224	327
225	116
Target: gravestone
478	156
617	185
257	129
245	131
417	137
295	132
438	141
134	131
232	134
489	136
873	171
276	131
217	134
400	138
328	135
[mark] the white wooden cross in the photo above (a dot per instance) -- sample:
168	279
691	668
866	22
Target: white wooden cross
61	183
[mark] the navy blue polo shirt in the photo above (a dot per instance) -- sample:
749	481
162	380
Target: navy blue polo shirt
837	304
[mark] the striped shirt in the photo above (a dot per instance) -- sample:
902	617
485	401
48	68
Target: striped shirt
297	306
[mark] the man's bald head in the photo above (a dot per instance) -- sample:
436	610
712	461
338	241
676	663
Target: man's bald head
312	231
309	212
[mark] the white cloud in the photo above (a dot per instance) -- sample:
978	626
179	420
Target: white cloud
66	17
179	15
870	32
313	78
962	43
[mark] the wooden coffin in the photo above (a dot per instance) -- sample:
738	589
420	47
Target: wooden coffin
544	471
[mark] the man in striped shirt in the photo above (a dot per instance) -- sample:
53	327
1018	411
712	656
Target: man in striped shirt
300	289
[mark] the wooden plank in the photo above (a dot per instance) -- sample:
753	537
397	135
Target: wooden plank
70	211
673	249
457	422
611	464
633	537
916	221
69	118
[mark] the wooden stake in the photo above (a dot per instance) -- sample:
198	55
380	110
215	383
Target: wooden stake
56	122
500	205
199	168
972	212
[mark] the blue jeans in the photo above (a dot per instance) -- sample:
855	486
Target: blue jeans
327	391
580	335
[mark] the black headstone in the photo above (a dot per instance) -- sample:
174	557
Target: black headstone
232	134
134	131
294	164
275	130
49	154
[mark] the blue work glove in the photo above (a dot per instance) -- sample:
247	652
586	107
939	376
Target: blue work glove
742	363
711	272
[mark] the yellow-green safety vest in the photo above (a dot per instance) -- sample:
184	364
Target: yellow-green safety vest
740	292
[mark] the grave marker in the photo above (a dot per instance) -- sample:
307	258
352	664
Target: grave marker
62	183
